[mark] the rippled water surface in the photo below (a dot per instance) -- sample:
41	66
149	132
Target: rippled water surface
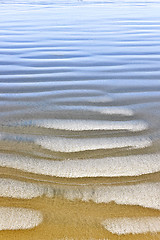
79	119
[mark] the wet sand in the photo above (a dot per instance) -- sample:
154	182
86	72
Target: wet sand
79	120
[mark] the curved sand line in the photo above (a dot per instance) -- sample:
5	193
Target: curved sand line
84	125
70	145
142	194
58	144
109	110
56	93
106	167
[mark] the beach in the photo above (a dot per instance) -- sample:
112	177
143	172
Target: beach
79	120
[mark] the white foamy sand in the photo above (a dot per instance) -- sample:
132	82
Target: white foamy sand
19	218
143	194
132	225
106	167
84	125
64	144
58	144
18	189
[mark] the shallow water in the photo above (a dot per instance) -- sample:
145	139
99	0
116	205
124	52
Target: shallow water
79	119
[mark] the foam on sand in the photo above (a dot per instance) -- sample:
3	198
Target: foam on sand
58	144
84	125
143	194
17	189
105	167
132	225
19	218
64	144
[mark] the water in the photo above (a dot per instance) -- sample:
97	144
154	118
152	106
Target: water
79	119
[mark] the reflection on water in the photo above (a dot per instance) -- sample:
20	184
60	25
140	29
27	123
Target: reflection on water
79	119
